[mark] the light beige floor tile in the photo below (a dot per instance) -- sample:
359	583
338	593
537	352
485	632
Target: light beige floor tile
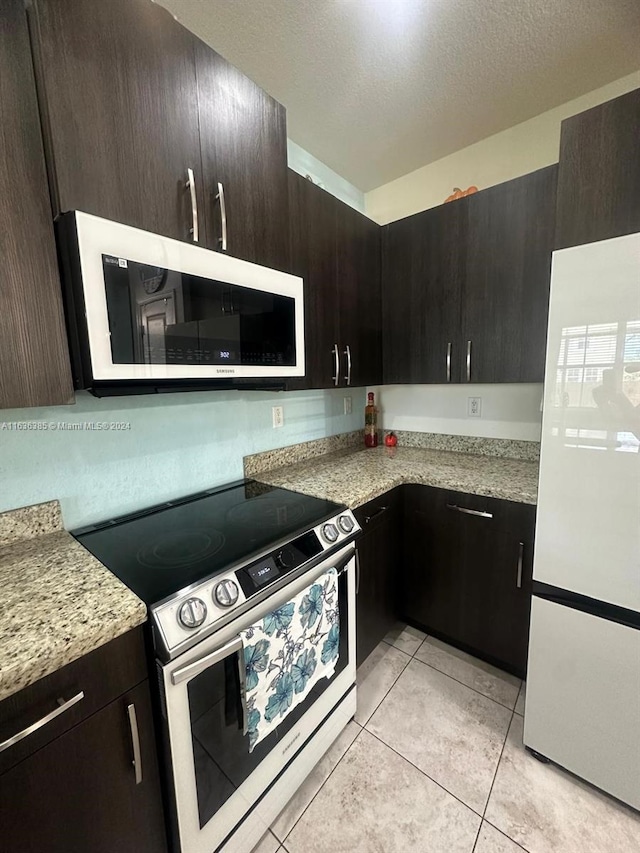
449	731
405	638
521	699
267	844
314	781
546	810
492	841
376	802
477	674
376	677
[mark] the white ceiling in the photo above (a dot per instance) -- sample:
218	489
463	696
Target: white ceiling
377	88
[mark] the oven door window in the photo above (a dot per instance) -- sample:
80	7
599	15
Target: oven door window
161	316
220	749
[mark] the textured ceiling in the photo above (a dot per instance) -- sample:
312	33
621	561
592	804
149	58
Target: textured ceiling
377	88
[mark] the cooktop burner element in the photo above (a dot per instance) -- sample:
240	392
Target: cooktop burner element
181	548
273	511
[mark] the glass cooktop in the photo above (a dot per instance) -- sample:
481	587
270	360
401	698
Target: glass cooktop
161	550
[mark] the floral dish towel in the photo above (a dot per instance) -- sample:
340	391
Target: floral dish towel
289	651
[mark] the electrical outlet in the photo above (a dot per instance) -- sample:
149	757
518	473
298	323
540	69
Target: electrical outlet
277	413
474	407
348	405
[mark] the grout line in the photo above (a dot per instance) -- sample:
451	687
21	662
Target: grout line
475	843
495	775
502	832
363	725
430	778
466	685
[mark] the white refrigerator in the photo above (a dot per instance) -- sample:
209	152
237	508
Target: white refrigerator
583	681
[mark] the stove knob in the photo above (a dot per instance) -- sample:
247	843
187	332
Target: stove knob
285	558
329	532
345	523
192	613
226	593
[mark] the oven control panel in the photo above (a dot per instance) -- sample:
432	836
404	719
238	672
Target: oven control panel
196	610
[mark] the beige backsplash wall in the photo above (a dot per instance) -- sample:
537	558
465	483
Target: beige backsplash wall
516	151
507	411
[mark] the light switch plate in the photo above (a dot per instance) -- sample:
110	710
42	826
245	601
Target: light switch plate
277	413
348	405
474	407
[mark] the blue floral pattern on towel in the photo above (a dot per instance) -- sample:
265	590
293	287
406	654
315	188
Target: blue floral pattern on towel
281	670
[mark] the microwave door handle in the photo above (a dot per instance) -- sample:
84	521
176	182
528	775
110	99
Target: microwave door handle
192	669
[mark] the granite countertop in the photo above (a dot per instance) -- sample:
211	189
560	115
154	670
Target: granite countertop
356	476
58	602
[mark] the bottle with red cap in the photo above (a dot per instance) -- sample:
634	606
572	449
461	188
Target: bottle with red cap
370	422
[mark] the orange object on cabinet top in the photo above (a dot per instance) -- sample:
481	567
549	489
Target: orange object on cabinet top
458	193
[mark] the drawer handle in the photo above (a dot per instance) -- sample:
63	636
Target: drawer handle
135	742
378	512
477	512
63	705
520	562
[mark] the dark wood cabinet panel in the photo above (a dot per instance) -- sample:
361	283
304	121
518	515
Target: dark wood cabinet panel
79	792
244	148
423	269
509	240
468	576
380	560
599	175
34	358
119	101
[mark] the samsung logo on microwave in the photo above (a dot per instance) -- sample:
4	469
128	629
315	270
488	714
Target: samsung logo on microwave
225	370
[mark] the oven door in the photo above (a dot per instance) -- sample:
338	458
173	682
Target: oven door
216	780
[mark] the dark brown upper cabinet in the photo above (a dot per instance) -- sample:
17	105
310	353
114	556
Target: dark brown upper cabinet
34	359
336	250
599	176
508	249
466	286
119	103
244	164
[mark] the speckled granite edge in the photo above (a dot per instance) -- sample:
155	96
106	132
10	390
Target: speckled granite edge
257	463
27	522
503	448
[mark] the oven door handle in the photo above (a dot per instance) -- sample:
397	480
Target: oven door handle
192	669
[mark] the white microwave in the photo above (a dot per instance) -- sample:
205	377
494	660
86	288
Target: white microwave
148	313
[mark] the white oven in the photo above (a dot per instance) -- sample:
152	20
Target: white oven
225	797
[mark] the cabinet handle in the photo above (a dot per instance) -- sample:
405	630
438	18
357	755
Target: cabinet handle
63	705
191	186
357	571
347	352
378	512
470	511
336	356
520	562
135	742
468	361
223	217
449	362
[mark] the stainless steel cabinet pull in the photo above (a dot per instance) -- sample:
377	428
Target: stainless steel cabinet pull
468	361
135	742
449	362
470	511
378	512
336	356
520	562
223	217
347	352
357	571
63	705
191	186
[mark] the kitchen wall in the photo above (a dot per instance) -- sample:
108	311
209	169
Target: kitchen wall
507	411
521	149
175	444
304	163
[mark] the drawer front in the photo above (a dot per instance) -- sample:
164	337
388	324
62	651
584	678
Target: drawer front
100	676
377	511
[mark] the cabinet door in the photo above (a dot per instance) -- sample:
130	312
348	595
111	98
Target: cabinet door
313	251
379	561
244	148
423	260
34	358
599	174
359	296
507	275
120	111
79	792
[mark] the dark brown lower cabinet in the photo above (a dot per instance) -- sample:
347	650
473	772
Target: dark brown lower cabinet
80	792
468	565
380	564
